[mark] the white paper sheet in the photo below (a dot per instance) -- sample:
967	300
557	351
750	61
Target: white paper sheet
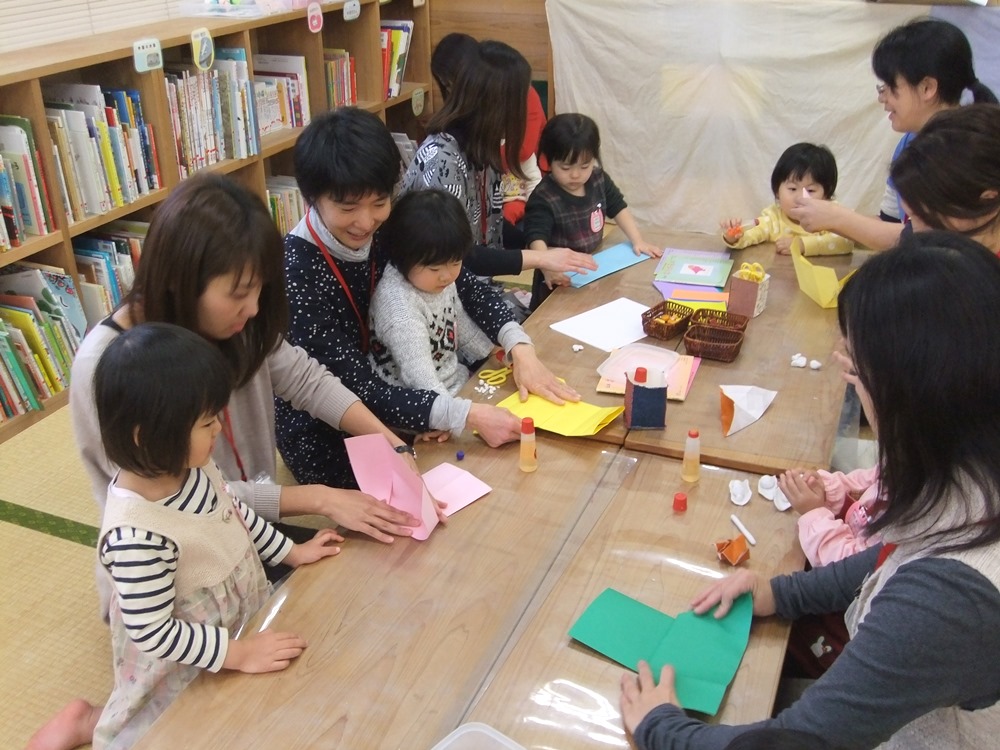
607	327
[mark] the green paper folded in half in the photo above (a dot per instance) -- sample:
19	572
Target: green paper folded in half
704	652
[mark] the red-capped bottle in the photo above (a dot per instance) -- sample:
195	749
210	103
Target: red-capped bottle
529	454
691	464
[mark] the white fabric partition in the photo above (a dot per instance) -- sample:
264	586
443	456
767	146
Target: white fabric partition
696	99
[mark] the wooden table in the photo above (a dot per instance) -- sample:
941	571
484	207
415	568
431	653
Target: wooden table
402	635
799	427
550	692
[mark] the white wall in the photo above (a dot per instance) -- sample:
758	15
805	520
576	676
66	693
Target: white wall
696	100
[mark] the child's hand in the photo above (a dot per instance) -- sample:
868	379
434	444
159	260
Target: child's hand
263	652
436	436
647	248
320	546
732	229
804	489
554	279
783	245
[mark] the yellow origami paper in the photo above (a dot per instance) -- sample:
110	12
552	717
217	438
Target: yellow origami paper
819	283
571	419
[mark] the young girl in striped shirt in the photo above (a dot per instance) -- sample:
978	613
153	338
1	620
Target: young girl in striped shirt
184	555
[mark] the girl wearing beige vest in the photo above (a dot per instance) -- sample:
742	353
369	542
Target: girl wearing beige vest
182	553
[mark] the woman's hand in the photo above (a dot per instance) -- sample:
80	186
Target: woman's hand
803	488
640	696
357	511
495	425
554	279
727	590
320	546
267	651
559	259
817	215
532	376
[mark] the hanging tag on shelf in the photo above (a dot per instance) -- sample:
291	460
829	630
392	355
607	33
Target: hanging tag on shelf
417	102
352	9
314	17
202	48
418	3
147	54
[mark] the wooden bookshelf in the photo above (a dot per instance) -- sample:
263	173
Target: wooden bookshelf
106	60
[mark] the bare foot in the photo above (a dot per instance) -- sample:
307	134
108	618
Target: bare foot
72	727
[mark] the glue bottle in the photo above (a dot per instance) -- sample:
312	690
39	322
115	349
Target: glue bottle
529	455
691	464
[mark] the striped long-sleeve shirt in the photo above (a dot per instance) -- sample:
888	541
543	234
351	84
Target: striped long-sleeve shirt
143	566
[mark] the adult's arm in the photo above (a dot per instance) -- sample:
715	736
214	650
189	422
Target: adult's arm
927	642
819	215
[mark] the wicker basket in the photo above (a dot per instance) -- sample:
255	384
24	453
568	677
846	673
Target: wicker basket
713	342
719	319
654	325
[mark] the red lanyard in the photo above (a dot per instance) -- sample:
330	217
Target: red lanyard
227	433
362	323
883	555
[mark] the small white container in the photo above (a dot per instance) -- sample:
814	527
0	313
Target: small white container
477	736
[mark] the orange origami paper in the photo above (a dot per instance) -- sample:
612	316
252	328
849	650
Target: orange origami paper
734	551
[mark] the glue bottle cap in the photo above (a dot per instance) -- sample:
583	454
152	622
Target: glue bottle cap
527	426
640	374
692	433
680	502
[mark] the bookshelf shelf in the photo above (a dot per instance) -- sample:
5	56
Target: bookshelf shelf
105	60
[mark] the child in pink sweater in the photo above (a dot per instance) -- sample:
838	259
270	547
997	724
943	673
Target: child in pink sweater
826	532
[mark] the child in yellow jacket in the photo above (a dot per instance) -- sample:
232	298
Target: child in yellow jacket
803	170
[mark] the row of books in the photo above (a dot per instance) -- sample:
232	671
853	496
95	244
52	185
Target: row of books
24	194
41	327
105	151
285	76
394	39
341	78
285	201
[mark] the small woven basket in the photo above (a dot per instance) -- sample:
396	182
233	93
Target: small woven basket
719	319
666	320
713	342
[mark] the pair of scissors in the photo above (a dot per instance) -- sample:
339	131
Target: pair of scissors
495	377
751	272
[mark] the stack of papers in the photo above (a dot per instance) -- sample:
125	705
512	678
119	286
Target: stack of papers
571	419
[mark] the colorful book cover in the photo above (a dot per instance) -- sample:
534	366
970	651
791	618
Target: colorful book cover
679	267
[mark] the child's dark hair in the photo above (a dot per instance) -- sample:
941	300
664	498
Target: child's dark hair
453	53
806	158
345	154
568	137
426	228
151	385
211	226
929	48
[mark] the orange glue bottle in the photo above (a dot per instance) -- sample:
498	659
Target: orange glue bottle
529	454
691	463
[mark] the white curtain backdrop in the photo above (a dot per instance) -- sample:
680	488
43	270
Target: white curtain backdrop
696	100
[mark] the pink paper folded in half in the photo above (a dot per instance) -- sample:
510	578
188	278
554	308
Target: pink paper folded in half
385	475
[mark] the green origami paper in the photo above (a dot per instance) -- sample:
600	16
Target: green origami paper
705	652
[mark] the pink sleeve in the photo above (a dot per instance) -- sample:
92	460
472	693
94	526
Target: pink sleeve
838	485
826	539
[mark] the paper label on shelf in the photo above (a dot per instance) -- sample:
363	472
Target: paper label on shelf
352	9
418	3
202	48
417	101
147	54
314	18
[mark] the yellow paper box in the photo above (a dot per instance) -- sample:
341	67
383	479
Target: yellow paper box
571	419
818	283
